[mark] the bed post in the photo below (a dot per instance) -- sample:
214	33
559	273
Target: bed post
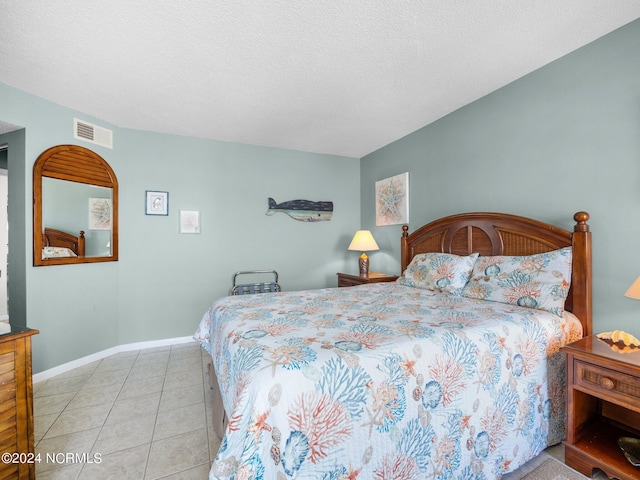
581	278
404	249
81	244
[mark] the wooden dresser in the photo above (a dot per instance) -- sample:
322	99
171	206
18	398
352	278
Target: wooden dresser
16	405
603	404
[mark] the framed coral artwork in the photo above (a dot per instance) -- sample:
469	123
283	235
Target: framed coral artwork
392	200
100	214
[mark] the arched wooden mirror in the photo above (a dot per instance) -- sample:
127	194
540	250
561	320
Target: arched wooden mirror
75	207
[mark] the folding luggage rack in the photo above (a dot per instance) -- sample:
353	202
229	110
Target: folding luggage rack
261	287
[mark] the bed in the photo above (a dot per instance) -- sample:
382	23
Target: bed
430	376
57	243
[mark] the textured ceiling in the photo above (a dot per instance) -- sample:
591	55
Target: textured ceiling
344	77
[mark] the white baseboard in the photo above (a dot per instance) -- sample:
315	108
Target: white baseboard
65	367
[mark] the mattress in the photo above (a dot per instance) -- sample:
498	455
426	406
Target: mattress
384	381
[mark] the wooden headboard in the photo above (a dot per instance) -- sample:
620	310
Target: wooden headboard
504	234
57	238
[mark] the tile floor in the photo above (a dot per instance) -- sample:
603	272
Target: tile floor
135	415
138	415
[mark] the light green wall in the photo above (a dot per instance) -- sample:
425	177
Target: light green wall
562	139
164	281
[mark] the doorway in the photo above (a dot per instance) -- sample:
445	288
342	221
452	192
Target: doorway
14	268
4	233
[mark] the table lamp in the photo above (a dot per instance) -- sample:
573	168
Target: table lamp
364	242
634	290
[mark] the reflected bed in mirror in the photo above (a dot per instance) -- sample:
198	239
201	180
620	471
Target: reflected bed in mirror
75	216
57	244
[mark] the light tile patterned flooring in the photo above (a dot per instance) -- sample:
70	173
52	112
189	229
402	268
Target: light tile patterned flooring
136	415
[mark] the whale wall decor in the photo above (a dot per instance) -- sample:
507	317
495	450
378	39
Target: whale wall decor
302	210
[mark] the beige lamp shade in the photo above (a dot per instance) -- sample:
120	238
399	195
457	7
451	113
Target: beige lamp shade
363	241
634	290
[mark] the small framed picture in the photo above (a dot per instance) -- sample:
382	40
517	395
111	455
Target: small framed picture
189	221
157	203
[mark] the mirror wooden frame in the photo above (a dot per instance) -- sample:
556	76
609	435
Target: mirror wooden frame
76	164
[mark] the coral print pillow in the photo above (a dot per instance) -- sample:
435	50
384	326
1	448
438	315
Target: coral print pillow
440	272
539	281
57	252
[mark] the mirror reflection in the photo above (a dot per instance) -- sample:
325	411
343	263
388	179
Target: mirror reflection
75	216
77	207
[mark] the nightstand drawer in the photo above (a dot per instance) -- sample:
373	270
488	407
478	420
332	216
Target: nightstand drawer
608	384
348	282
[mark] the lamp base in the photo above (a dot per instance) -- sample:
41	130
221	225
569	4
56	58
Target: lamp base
363	262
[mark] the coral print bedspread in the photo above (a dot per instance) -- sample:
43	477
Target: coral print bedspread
384	381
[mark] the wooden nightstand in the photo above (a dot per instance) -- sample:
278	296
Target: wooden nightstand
603	404
346	280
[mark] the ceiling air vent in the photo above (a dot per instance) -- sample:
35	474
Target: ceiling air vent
92	133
